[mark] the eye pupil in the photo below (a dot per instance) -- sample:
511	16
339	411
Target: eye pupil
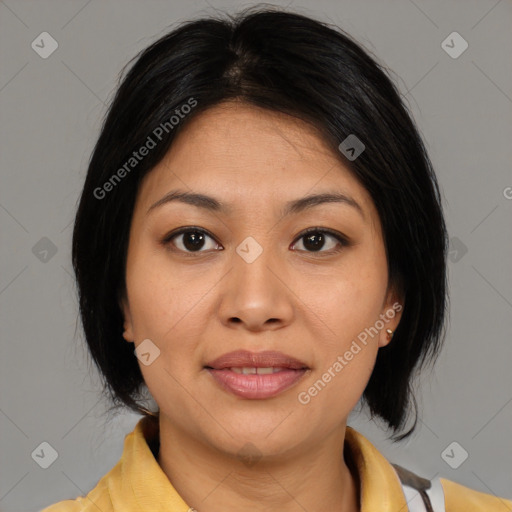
314	241
193	240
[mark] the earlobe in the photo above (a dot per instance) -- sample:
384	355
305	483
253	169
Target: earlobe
127	334
127	324
386	334
388	337
392	314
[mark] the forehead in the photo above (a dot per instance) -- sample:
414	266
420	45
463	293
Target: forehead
239	152
242	135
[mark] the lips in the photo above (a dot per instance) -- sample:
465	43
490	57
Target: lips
256	375
246	359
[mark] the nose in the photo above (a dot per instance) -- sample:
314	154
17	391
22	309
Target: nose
255	294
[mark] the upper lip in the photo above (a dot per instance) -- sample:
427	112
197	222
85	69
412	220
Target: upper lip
247	359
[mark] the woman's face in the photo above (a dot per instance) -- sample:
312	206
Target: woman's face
254	282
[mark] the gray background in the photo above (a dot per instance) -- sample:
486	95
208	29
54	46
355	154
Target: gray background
51	111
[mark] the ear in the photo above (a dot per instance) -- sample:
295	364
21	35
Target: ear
127	325
390	315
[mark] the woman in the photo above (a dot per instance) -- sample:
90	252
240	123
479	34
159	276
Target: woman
260	241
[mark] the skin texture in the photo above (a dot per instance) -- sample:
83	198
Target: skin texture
196	306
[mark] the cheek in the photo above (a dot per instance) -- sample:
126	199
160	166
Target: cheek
337	385
345	386
168	307
347	303
160	295
346	351
345	308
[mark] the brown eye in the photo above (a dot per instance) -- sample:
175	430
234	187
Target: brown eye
190	240
316	239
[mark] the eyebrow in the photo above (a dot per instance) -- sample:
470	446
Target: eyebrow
291	207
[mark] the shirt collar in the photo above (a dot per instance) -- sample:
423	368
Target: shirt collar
379	485
138	482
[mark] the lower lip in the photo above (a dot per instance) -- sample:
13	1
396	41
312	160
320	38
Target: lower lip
256	386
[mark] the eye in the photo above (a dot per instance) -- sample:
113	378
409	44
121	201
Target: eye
190	240
315	240
193	239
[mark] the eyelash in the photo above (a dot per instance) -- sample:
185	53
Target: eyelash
343	241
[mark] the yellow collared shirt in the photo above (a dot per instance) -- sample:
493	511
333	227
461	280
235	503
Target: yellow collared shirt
137	483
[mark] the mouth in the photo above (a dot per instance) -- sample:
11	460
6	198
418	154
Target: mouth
256	375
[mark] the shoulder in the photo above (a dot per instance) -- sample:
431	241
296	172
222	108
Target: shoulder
446	495
81	504
98	499
66	506
459	498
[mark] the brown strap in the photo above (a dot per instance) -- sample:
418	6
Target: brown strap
416	482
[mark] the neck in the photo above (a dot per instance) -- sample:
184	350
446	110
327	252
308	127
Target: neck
315	479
